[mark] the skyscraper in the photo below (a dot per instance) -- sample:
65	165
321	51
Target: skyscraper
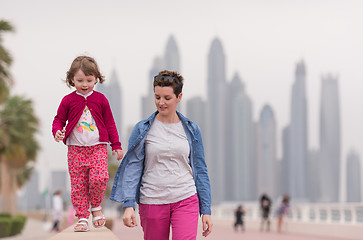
267	159
148	105
240	171
32	199
354	180
60	180
170	61
171	55
330	139
313	178
285	163
111	88
196	111
233	90
114	96
216	114
298	135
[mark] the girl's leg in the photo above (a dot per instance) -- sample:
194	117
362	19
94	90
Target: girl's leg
79	181
98	177
184	218
55	225
155	221
279	222
98	173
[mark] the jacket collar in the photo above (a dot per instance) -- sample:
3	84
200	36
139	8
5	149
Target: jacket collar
185	121
151	119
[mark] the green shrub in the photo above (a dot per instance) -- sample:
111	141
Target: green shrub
5	214
5	226
17	224
23	221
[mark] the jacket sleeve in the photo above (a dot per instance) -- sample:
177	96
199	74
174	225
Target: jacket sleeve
60	119
129	173
202	180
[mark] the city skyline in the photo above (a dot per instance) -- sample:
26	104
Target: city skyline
238	173
262	42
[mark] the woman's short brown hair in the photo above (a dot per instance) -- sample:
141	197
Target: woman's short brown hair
172	79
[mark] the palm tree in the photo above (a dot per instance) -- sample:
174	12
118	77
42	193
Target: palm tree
18	147
5	62
18	125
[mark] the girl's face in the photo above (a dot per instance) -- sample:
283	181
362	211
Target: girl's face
84	84
166	101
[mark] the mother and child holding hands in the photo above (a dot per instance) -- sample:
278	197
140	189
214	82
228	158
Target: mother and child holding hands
164	169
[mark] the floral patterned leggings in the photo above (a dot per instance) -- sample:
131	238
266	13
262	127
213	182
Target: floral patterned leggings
87	167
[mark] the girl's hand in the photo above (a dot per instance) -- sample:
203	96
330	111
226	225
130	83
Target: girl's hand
207	224
59	135
120	154
129	217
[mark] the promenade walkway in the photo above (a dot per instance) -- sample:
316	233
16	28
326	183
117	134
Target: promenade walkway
222	230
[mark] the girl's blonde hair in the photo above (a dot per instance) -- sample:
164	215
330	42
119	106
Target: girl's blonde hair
88	66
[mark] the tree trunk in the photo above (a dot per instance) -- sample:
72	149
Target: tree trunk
5	186
8	188
13	190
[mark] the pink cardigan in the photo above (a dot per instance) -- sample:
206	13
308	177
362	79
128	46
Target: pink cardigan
71	107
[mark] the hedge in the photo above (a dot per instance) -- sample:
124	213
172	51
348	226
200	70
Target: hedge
5	214
10	226
17	225
5	226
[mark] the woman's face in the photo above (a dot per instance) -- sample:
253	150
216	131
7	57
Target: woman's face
166	101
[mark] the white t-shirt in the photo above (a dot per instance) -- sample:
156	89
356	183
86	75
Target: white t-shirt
168	177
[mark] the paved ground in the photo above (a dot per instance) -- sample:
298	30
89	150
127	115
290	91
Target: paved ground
221	231
33	230
38	230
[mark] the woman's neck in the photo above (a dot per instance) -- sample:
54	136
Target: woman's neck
174	118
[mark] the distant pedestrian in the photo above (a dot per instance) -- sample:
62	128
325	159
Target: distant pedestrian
239	214
265	206
57	210
282	211
84	122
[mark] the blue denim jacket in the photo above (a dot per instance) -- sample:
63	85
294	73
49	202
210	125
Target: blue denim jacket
126	187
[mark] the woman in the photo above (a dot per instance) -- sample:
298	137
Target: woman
282	210
164	170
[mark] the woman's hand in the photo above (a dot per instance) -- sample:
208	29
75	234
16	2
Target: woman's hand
129	217
207	224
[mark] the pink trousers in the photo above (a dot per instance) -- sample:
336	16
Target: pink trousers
87	168
182	216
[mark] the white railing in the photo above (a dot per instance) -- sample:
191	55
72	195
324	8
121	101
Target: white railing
343	213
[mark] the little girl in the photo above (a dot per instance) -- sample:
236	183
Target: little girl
89	126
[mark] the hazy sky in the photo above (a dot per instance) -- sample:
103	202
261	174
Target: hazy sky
262	40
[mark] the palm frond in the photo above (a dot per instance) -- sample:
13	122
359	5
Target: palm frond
5	26
18	125
23	175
